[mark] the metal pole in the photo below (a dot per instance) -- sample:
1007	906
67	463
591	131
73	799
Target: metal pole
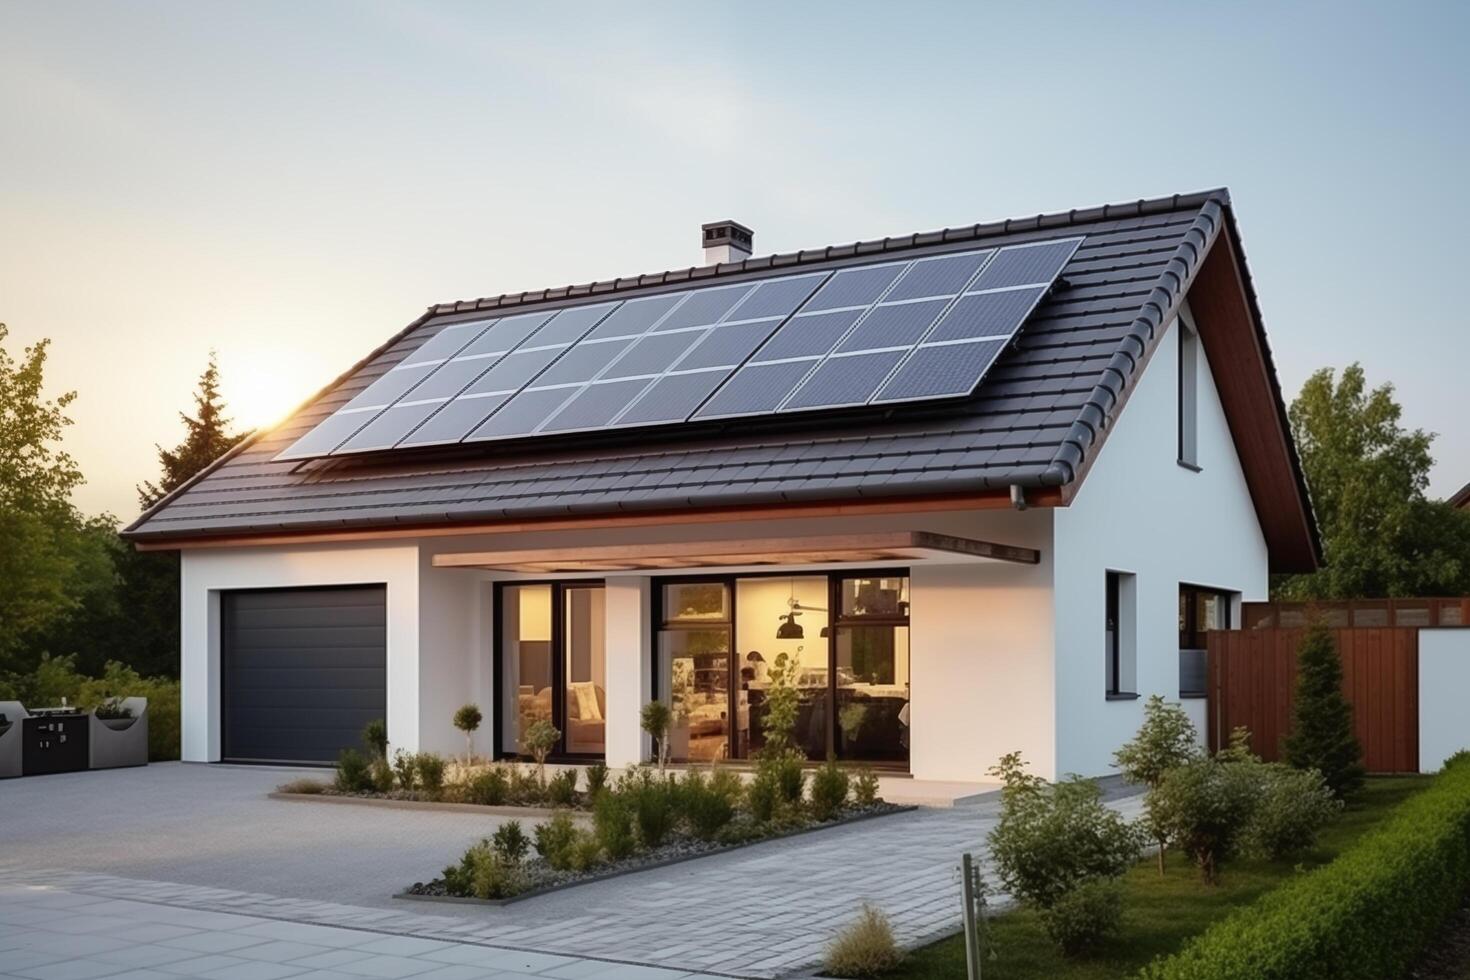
972	939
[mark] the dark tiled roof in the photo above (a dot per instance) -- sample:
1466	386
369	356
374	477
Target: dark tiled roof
1032	422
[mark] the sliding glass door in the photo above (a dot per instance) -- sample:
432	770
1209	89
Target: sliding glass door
552	665
840	640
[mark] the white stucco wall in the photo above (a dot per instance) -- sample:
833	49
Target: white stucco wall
1444	679
1139	511
207	572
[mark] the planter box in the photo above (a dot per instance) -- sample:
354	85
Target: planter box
118	742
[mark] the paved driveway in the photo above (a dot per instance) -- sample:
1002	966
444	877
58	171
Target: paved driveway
207	838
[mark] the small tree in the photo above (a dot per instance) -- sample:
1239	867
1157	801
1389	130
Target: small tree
539	738
783	701
1166	740
655	719
467	719
1322	720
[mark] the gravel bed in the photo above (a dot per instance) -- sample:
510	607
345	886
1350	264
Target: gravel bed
543	878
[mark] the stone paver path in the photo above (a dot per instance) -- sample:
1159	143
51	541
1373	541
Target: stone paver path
762	911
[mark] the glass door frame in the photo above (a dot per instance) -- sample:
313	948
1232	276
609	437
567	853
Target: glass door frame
835	620
559	589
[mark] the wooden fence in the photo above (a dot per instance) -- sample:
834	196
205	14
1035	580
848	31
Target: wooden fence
1252	679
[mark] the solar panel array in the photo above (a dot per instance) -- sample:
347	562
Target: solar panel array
891	332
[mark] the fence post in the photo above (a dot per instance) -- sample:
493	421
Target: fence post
972	939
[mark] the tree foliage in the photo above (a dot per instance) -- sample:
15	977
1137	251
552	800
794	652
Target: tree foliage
1322	720
1381	536
1165	741
207	437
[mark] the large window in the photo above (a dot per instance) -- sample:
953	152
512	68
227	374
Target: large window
553	665
843	640
1200	610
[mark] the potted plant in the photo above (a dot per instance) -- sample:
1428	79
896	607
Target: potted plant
118	733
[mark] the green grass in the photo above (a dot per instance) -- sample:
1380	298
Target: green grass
1160	912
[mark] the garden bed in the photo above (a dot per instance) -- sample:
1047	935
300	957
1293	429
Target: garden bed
1161	912
542	879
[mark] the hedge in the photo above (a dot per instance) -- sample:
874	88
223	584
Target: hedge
1366	916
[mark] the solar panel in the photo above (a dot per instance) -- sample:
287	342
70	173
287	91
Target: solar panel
890	331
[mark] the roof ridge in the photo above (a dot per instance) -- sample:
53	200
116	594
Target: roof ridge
876	246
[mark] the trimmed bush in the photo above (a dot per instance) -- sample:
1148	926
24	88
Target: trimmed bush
864	948
829	791
467	719
655	719
485	873
1366	916
651	799
763	796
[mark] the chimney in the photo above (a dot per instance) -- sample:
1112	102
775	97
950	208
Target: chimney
726	241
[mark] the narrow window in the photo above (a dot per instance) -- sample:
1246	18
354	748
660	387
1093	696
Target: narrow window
1188	393
1119	632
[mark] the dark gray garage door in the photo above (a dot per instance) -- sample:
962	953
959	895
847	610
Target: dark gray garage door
303	671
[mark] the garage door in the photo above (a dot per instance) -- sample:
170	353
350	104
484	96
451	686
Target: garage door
303	671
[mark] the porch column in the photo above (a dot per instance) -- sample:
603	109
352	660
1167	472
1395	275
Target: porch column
629	666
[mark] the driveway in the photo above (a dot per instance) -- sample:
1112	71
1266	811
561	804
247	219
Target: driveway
207	838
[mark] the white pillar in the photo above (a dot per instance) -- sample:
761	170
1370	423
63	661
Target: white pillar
629	667
199	668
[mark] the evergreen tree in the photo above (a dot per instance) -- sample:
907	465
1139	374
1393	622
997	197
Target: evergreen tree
1322	720
207	438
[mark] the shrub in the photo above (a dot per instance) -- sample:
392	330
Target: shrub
1166	740
586	851
375	737
612	820
655	719
1322	720
785	771
381	775
405	768
524	788
863	948
651	799
727	784
1053	839
1079	920
467	719
1204	807
865	787
429	770
763	797
1367	915
707	807
555	840
1293	805
596	779
353	774
485	873
511	842
561	789
829	790
307	787
489	787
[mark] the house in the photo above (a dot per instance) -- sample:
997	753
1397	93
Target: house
971	491
1461	498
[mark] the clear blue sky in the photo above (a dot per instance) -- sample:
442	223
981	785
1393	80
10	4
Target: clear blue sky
290	183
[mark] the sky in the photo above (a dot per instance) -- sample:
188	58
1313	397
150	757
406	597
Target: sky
289	184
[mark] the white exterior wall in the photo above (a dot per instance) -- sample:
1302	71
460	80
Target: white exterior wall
1139	511
207	572
1444	677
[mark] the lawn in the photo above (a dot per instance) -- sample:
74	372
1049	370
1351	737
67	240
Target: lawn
1161	912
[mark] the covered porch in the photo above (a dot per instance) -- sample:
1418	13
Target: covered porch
862	623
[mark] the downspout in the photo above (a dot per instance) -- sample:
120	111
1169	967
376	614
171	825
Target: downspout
1018	496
